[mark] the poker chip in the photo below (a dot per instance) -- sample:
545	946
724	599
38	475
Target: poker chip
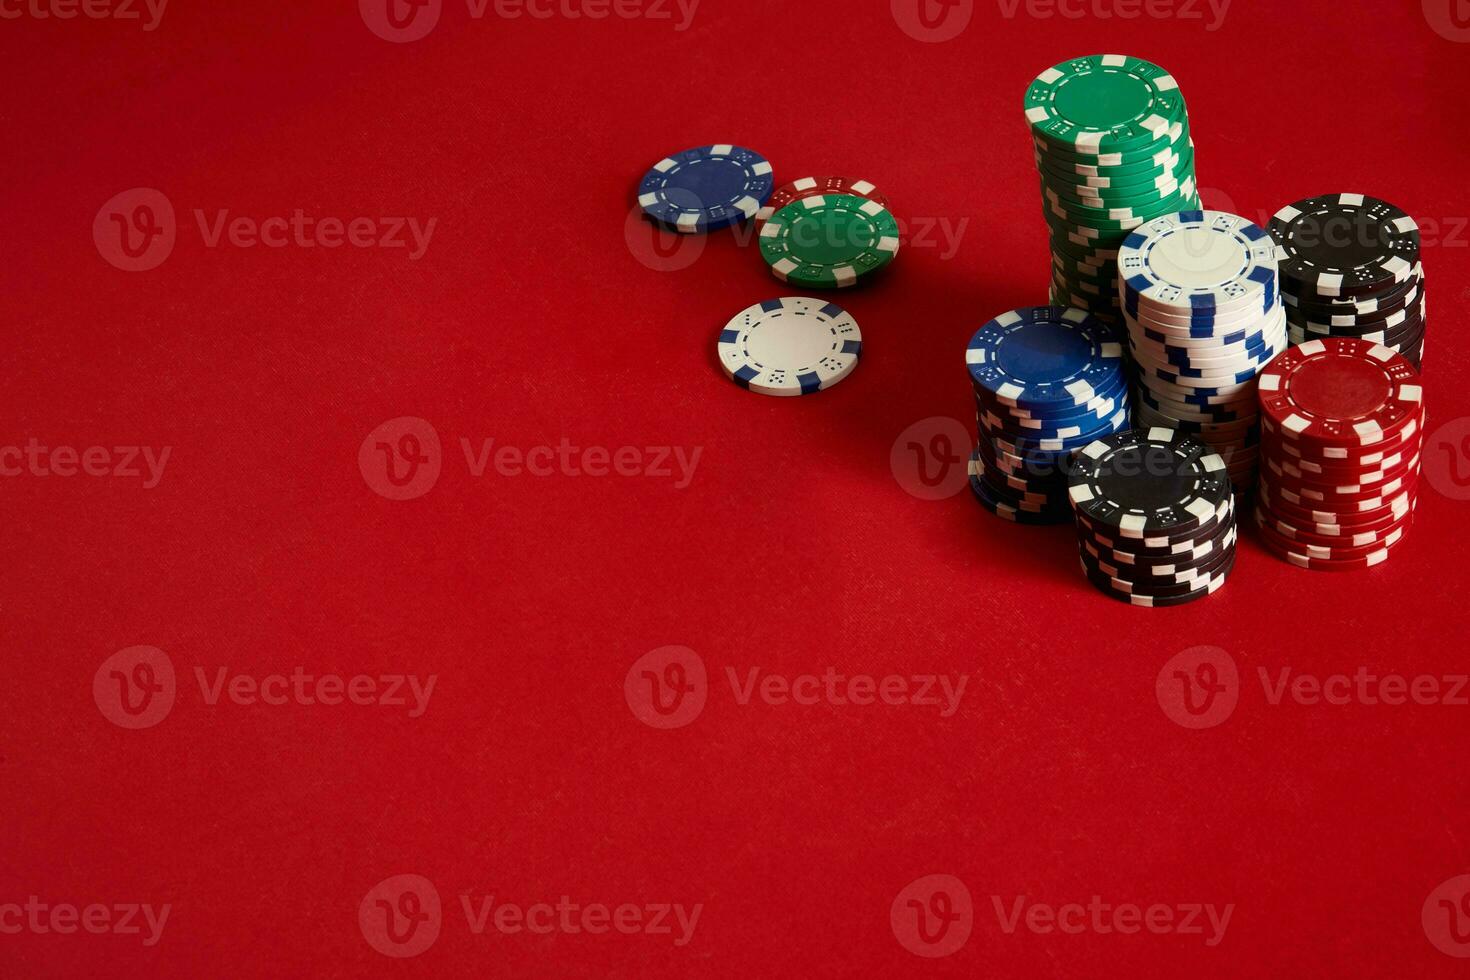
1203	317
706	188
813	187
829	241
790	346
1342	433
1147	481
1350	267
1044	357
1047	381
1102	103
1340	391
1345	244
1112	152
1155	517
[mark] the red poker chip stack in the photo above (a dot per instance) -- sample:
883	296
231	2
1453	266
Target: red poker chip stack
1342	423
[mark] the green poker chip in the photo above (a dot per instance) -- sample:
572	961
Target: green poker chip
1103	103
829	241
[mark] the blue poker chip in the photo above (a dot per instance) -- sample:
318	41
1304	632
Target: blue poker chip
706	188
1064	440
1199	262
1045	357
1104	403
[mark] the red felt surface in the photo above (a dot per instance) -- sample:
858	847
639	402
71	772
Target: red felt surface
536	316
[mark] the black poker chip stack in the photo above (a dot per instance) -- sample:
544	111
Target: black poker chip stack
1155	517
1350	267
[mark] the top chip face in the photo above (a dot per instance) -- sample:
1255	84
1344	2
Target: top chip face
1340	391
706	188
1345	244
1196	260
790	346
1146	482
1045	357
1103	103
829	240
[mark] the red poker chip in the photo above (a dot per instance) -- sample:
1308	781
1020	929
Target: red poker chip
1345	518
1340	391
1384	484
1335	469
1346	508
813	186
1334	532
1340	539
1300	557
1344	481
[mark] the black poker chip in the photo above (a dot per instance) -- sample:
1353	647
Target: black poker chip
1344	244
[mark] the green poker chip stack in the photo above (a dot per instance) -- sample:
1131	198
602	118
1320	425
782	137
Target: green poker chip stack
1113	151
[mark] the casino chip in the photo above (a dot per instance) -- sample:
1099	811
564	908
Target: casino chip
1342	433
1155	517
1204	315
829	241
790	346
813	186
1112	151
1047	381
1350	268
706	188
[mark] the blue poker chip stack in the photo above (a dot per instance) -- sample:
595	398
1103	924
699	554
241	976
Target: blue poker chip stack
1048	381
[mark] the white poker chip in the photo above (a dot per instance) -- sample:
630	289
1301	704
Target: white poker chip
790	346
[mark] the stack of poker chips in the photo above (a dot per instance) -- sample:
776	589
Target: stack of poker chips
1155	517
1047	381
1113	150
1342	427
1350	267
1204	316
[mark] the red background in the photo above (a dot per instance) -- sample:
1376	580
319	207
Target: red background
532	318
